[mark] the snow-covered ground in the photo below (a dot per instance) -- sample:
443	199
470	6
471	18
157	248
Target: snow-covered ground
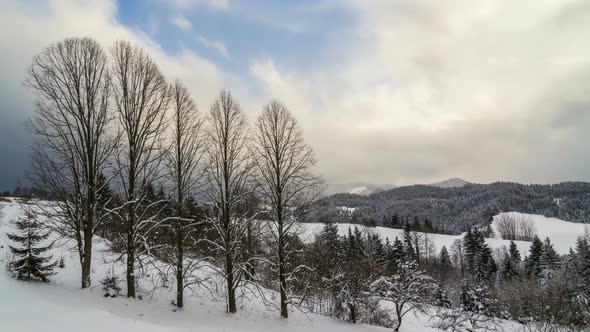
563	234
62	306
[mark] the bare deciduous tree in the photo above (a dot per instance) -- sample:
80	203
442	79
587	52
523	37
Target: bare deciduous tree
72	145
185	170
141	99
229	182
284	163
518	227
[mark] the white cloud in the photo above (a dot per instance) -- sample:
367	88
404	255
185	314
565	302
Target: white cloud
221	5
42	23
425	90
215	45
182	23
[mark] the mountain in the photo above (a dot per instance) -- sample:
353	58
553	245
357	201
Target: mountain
357	188
450	183
453	210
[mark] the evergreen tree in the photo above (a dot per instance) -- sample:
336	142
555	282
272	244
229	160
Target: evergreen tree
581	267
514	253
508	269
445	262
408	244
549	260
486	265
532	262
395	255
471	248
30	263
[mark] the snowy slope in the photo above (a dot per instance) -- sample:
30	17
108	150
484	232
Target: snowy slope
62	306
563	234
364	189
450	183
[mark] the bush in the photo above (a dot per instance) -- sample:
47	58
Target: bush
110	285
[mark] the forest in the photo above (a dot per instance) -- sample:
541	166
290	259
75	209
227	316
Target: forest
455	210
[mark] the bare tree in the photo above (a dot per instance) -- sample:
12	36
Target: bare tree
142	98
287	185
72	145
519	227
185	171
408	290
229	176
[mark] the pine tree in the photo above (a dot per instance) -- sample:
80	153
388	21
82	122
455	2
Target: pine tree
508	269
549	260
445	261
30	263
532	262
581	266
471	248
395	255
408	244
514	253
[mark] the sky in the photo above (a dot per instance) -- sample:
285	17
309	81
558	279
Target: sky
386	91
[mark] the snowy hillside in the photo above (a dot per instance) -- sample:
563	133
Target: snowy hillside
61	306
563	234
450	183
363	189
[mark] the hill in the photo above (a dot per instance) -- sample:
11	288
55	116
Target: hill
454	210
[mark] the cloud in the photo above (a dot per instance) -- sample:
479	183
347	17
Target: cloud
422	91
221	5
215	45
42	23
182	23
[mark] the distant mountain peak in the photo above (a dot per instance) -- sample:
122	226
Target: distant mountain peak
450	183
359	188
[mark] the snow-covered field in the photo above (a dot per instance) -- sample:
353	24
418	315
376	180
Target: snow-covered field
563	234
62	306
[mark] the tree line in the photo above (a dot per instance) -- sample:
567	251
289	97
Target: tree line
455	210
125	153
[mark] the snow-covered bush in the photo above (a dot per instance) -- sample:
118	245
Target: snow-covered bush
110	285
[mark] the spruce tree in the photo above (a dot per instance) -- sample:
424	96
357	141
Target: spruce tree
532	263
549	260
508	269
30	262
445	259
408	244
514	253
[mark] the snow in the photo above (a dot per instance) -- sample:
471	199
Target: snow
363	190
450	183
62	306
563	234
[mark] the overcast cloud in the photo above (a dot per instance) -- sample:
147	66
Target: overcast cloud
415	91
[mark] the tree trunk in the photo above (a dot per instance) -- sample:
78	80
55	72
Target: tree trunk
282	277
87	260
399	318
231	292
179	278
130	271
352	313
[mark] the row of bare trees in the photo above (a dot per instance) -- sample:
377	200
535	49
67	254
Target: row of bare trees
115	113
518	227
